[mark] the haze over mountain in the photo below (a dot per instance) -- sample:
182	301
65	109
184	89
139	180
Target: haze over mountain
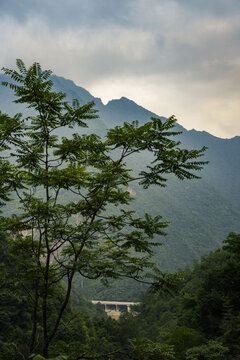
201	212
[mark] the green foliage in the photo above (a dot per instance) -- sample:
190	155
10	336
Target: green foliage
15	317
201	213
48	244
77	332
183	338
39	357
95	233
211	351
175	321
8	351
202	319
232	244
167	327
148	350
218	296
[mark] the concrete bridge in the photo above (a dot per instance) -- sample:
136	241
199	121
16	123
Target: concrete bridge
115	308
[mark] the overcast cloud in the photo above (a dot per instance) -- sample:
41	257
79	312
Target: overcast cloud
171	56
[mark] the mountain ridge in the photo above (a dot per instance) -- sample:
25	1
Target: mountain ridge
87	96
201	212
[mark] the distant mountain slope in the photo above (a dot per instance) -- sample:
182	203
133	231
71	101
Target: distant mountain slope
74	92
201	212
223	172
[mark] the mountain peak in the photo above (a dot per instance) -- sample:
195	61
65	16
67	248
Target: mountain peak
74	91
122	100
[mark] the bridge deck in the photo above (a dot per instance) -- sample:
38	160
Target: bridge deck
115	308
105	302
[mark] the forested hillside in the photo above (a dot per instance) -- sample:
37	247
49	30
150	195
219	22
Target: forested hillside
77	204
51	236
201	319
201	213
198	320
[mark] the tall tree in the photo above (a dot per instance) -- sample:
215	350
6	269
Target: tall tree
103	243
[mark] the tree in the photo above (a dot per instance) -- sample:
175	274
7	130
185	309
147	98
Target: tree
15	321
210	351
149	350
49	245
183	338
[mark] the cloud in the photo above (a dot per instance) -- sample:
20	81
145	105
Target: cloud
60	14
171	56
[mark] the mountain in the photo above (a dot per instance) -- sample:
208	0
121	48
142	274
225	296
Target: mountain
201	212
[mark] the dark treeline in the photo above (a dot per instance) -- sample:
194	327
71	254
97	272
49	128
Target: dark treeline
200	321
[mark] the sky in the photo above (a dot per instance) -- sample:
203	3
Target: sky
178	57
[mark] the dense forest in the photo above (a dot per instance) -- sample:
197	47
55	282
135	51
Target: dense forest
67	217
199	320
